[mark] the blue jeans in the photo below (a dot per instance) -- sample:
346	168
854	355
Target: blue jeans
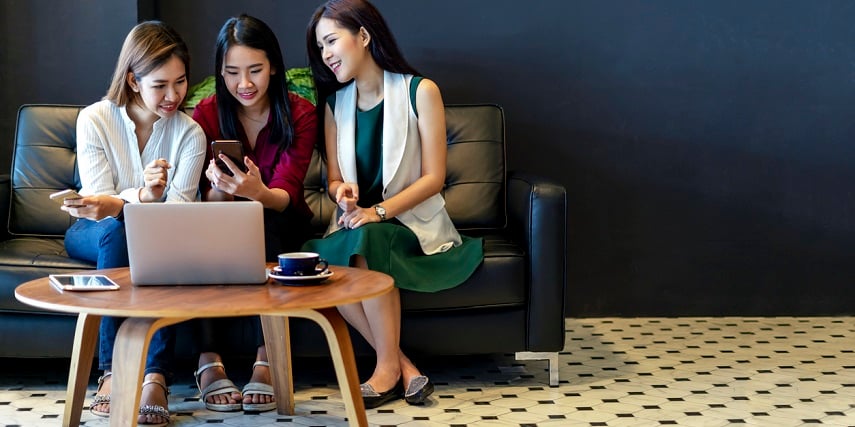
104	243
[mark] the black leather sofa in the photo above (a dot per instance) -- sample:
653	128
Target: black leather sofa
512	304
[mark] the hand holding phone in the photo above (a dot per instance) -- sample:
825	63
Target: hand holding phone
233	150
67	198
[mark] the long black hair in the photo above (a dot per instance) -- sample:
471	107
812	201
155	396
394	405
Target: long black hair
251	32
352	15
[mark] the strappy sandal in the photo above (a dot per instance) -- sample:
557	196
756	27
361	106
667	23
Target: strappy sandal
157	410
100	399
224	386
259	388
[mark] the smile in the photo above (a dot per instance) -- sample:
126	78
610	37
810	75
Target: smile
334	66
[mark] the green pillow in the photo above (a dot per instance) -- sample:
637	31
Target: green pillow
299	81
200	91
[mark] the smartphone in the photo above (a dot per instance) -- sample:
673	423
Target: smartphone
232	149
61	196
82	282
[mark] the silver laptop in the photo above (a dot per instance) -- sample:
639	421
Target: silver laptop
196	243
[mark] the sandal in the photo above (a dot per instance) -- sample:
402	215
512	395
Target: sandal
157	410
259	388
224	386
100	399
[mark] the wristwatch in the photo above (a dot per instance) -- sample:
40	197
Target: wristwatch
380	211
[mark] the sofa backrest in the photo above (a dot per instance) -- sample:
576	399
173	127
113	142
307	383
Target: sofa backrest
475	175
474	189
45	161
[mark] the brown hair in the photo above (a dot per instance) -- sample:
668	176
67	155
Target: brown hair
147	47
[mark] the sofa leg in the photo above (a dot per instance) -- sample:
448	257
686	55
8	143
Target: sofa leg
551	361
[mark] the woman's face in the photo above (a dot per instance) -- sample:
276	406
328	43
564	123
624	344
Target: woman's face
163	90
341	50
247	72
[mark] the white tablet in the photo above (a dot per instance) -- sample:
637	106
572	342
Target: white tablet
82	282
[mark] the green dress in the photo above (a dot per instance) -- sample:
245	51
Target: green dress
390	247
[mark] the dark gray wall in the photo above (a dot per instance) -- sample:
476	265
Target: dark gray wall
56	52
200	21
706	146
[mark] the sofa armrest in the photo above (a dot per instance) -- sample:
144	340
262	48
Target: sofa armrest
5	201
537	216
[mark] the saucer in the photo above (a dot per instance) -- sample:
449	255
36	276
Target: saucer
300	280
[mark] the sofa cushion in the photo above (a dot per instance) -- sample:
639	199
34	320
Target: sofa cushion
475	167
28	258
499	282
44	162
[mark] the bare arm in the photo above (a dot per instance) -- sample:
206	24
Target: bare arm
345	194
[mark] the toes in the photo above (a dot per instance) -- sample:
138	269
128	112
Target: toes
224	398
258	398
150	419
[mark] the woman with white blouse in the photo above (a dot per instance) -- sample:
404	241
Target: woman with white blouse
135	146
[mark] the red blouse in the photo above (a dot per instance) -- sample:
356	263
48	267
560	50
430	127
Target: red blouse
290	171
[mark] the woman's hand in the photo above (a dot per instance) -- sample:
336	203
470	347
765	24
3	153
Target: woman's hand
155	175
358	217
214	194
94	207
247	185
346	196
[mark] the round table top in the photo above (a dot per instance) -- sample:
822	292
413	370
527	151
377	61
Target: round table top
345	286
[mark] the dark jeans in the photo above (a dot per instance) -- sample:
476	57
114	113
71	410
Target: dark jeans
104	243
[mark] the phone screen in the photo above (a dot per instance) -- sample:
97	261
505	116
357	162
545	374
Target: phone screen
232	149
61	196
82	282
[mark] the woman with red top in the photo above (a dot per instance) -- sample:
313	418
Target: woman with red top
278	132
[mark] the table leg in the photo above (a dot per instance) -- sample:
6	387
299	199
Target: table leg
129	354
85	338
341	351
277	339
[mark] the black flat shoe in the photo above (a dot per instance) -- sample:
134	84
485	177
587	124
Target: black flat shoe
418	390
373	399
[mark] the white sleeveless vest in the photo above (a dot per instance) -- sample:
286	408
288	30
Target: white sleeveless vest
402	160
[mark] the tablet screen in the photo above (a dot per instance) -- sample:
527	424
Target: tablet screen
83	282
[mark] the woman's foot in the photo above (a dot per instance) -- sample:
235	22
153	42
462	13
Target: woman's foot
101	403
383	381
153	402
417	387
218	392
382	387
258	393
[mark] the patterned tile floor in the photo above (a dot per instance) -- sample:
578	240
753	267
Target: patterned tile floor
780	371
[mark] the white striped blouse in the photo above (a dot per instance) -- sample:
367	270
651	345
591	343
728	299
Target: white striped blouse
110	162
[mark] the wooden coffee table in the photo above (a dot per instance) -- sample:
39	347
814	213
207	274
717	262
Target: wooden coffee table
150	308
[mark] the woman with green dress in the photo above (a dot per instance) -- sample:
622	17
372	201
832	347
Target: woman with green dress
384	132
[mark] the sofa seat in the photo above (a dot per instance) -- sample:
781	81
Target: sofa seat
496	283
28	258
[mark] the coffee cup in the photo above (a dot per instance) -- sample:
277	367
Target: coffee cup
301	264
